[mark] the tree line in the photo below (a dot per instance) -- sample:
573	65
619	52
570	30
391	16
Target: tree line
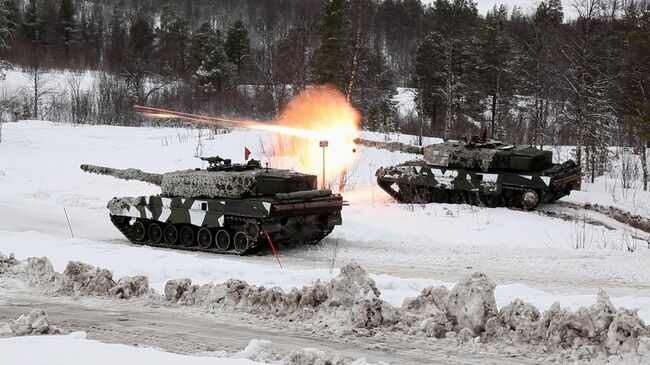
530	76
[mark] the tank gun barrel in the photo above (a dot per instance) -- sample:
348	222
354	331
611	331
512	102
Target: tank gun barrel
390	146
124	174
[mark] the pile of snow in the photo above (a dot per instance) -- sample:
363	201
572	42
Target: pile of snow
467	311
34	323
309	356
438	310
7	262
78	278
39	271
351	302
597	331
131	286
84	279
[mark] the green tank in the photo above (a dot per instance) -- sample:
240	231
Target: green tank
480	172
226	208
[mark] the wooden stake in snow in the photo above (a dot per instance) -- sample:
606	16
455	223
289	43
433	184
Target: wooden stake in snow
275	252
68	219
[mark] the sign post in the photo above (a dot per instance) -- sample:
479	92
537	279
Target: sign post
323	144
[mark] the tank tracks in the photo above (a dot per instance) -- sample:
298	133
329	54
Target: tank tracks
510	197
131	230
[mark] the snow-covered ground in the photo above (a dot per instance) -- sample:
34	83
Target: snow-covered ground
75	349
405	247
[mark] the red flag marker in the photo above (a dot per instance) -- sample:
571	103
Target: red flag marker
275	252
247	153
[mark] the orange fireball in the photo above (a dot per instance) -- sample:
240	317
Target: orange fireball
325	111
320	113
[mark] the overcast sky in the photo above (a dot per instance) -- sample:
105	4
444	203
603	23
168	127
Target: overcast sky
528	6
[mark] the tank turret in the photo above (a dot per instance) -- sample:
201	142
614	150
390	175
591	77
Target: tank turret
479	154
222	179
481	172
231	208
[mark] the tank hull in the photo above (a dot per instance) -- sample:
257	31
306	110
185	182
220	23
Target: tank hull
419	182
227	226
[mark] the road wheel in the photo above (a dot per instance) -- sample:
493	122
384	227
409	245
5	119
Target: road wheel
529	199
171	234
440	196
138	231
222	240
457	197
252	229
155	233
241	242
187	236
496	201
204	237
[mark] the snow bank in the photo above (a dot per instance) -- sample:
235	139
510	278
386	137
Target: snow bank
131	286
350	300
594	331
350	303
78	279
84	279
39	271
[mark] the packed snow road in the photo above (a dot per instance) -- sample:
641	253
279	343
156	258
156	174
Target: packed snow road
406	247
192	332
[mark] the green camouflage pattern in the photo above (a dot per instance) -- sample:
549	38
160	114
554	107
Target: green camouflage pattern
482	172
227	208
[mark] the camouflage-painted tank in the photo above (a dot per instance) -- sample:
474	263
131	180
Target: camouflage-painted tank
227	208
481	172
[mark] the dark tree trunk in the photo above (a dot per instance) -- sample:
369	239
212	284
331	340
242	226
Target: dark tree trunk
494	109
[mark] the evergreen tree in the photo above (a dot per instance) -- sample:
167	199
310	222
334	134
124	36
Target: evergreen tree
537	40
430	79
215	70
91	34
517	15
13	17
237	45
635	100
332	59
496	67
586	81
141	37
381	111
117	41
140	48
66	25
456	22
201	42
32	28
173	37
